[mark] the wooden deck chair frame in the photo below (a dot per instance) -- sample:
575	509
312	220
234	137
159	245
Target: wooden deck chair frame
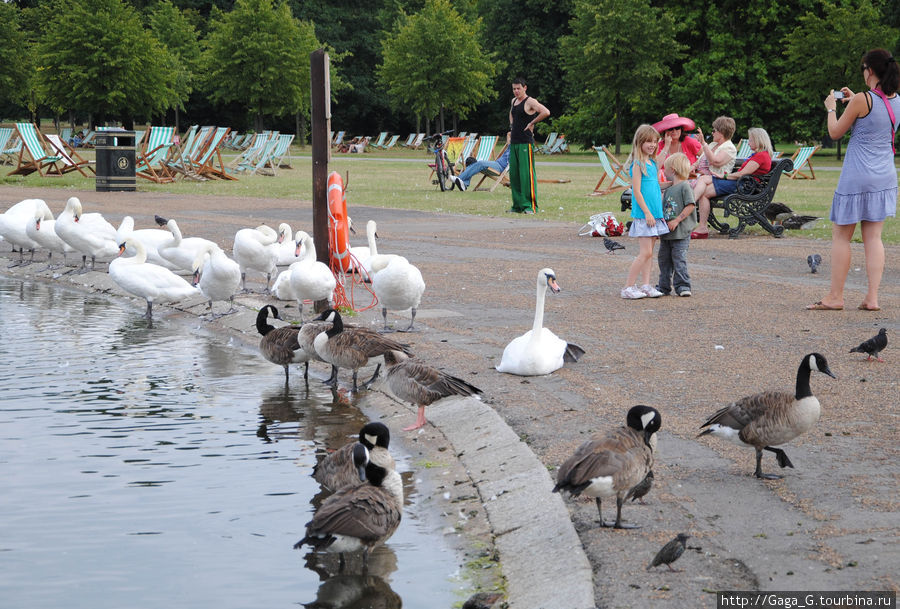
182	163
265	163
71	160
152	162
6	135
206	164
802	160
33	157
613	170
249	157
489	174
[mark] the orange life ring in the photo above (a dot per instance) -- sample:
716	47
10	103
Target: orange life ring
338	224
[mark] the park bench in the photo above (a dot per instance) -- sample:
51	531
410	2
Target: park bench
754	194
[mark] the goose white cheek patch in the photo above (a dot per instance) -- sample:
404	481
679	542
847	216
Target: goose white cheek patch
645	419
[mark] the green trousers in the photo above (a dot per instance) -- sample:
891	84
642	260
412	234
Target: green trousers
522	179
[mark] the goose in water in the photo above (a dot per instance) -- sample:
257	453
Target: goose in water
415	382
310	279
351	347
180	251
767	419
340	469
151	238
359	517
279	345
539	351
611	465
256	249
398	286
14	224
89	234
151	282
42	231
288	245
217	276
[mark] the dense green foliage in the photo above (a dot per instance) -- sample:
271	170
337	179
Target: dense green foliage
602	67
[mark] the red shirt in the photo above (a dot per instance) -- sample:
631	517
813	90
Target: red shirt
763	159
689	146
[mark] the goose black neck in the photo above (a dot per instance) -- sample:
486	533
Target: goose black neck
803	390
337	325
262	320
375	474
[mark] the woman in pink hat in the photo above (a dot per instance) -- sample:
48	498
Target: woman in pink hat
674	130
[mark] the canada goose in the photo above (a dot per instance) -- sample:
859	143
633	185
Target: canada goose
340	468
310	279
180	251
420	384
89	234
217	276
611	465
14	225
770	418
351	347
149	281
42	230
359	517
398	286
280	345
669	553
255	248
539	351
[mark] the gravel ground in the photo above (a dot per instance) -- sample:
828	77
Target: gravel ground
831	524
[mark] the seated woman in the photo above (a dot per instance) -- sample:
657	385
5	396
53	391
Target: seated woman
674	138
759	163
717	158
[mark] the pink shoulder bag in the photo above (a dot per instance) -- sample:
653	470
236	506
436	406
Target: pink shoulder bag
890	110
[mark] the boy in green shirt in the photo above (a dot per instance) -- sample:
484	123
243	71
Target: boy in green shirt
678	212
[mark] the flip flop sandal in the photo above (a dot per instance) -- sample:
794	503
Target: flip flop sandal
820	306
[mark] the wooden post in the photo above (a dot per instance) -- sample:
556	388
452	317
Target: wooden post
320	110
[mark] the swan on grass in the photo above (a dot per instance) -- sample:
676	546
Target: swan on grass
256	249
14	223
398	286
42	230
149	281
88	234
310	279
179	251
539	351
217	276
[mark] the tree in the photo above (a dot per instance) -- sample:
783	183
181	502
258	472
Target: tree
615	62
95	57
433	60
172	28
15	60
257	56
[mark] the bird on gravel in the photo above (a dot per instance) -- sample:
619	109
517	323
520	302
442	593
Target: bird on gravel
612	246
814	261
640	489
873	346
669	553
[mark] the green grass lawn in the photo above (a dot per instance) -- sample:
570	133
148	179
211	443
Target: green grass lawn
400	179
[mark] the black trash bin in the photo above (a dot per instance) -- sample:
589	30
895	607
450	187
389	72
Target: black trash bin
115	161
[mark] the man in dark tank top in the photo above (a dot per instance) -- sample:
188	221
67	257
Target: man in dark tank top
524	113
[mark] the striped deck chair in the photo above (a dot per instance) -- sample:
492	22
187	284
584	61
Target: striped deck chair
250	156
417	142
71	160
485	151
65	134
206	166
6	134
743	149
282	150
265	160
338	139
548	144
803	160
379	141
33	156
194	142
409	141
391	142
88	141
12	150
490	174
613	170
150	162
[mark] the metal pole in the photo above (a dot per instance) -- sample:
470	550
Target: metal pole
320	109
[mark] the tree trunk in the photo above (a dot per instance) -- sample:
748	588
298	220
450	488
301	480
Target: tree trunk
177	121
618	111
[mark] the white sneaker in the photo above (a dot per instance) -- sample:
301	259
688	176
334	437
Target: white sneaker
650	291
632	293
684	293
459	183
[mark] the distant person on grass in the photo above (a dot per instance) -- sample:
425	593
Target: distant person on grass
867	189
475	167
524	113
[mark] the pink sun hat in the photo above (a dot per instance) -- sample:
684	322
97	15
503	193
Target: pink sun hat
671	121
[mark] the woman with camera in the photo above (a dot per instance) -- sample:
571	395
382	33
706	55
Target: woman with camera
867	189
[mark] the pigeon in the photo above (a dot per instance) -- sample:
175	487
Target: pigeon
641	489
669	553
873	346
612	246
814	261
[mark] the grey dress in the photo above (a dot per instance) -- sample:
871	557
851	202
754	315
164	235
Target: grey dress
867	189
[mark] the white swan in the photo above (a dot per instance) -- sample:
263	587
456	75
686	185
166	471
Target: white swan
311	279
178	251
398	286
362	252
217	276
375	261
89	234
42	231
282	289
255	248
287	245
148	281
14	222
539	351
151	238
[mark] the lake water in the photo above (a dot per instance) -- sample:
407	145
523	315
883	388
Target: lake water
169	467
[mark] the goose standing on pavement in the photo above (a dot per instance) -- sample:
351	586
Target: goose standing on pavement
539	351
611	465
89	234
280	345
256	249
149	281
765	420
180	251
14	225
359	517
398	286
415	382
217	276
42	230
310	279
340	469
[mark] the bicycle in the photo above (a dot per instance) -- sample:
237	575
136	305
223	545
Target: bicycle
443	168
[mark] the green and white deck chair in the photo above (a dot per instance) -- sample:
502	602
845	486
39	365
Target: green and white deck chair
501	177
409	141
282	150
613	170
210	164
33	156
338	139
802	162
150	163
65	134
245	141
264	163
549	143
6	134
194	144
379	141
391	142
485	151
417	142
466	152
249	157
743	149
71	160
88	141
13	147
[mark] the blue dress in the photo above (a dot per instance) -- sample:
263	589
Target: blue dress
652	199
867	188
